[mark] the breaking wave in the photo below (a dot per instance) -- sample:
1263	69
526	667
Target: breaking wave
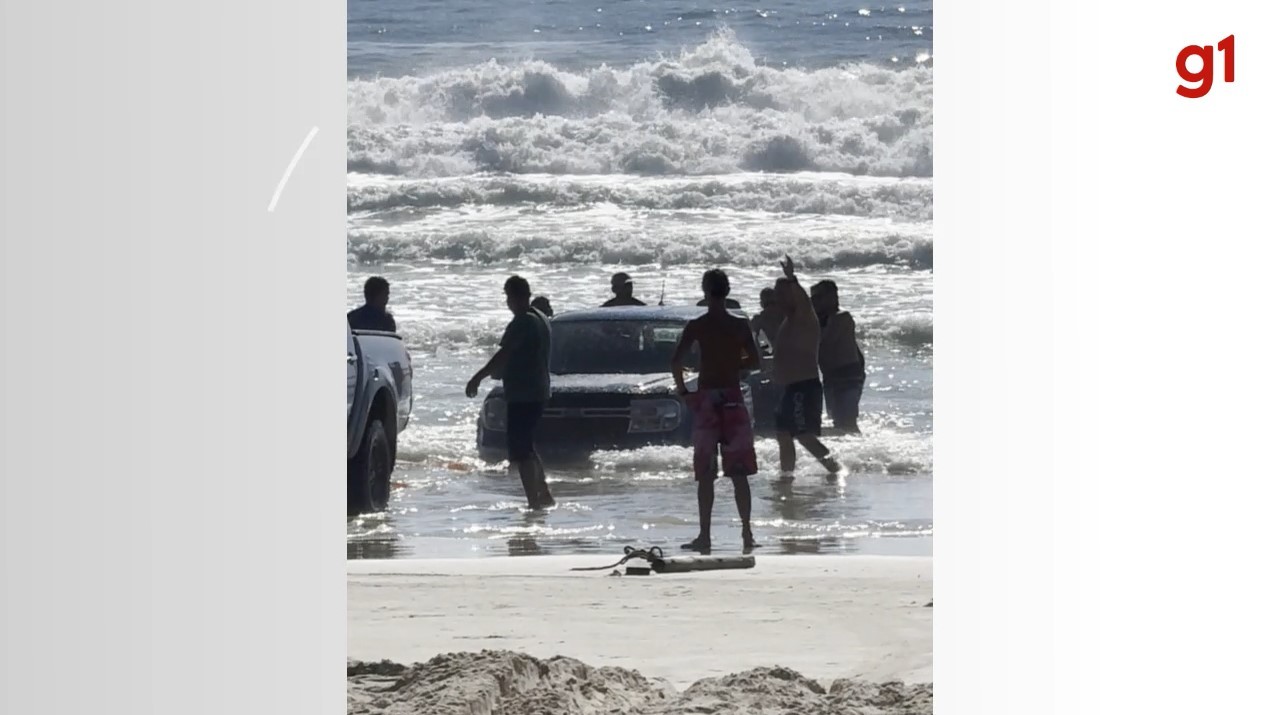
619	246
713	109
798	194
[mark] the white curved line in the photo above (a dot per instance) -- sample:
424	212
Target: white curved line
291	165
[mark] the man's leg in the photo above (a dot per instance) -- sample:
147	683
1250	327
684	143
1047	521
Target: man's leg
520	424
527	473
787	418
704	499
705	431
542	485
821	452
836	400
744	505
853	395
810	413
788	453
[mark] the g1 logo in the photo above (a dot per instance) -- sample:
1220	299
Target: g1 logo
1204	78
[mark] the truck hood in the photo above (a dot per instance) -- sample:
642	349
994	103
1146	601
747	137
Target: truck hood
641	384
660	383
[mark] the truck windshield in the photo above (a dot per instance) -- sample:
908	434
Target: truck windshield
615	346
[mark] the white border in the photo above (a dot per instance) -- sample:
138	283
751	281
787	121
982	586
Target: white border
171	484
1102	272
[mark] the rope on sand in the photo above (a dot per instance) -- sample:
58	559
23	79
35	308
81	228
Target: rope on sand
652	554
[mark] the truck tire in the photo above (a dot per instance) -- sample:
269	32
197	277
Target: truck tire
368	474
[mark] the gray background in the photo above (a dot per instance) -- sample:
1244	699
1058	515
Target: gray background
171	466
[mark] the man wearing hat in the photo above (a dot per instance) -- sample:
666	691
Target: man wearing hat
623	286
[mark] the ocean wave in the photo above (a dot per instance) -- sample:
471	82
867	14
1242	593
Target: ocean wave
914	329
797	194
881	450
712	109
614	246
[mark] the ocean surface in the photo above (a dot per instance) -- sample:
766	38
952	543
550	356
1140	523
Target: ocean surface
566	140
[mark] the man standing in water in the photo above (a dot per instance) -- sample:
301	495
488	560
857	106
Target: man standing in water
522	362
372	315
797	370
623	286
720	417
841	360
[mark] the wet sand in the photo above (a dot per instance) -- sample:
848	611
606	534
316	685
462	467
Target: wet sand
815	623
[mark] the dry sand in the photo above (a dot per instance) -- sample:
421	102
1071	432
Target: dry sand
796	634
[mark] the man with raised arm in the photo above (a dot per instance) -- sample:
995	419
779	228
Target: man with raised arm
797	370
721	423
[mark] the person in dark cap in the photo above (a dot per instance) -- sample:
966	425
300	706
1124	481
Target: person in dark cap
372	315
623	286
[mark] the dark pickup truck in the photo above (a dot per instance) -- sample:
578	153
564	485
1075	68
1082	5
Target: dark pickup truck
611	387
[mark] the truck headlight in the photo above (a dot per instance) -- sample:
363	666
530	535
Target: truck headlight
654	415
494	414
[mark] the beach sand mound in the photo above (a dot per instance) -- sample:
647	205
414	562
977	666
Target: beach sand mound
498	683
506	683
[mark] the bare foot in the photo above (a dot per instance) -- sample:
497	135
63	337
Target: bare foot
701	543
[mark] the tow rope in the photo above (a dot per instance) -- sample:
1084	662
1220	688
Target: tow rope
657	562
652	554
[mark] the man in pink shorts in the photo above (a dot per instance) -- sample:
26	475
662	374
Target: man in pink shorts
721	425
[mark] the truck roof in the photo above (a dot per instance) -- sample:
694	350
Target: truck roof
679	313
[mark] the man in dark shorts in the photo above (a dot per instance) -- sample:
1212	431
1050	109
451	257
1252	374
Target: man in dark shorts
372	315
523	365
720	418
797	369
841	360
623	288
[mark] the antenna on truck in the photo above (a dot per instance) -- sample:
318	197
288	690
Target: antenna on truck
662	292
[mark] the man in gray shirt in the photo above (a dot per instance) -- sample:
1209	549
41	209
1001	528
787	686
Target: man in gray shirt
523	366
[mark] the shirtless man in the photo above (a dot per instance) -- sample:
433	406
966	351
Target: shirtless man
797	370
718	411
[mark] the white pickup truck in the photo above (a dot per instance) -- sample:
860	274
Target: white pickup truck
378	405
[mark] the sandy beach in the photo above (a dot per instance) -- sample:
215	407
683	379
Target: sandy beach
522	635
